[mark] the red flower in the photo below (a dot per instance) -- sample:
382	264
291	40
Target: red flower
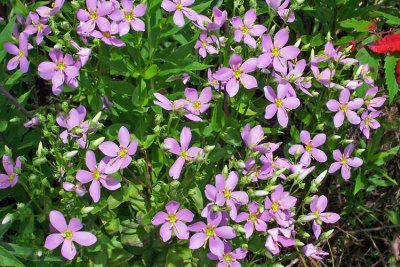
390	43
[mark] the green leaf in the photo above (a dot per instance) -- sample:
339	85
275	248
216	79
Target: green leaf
394	20
357	25
359	184
150	72
197	197
3	126
8	259
390	76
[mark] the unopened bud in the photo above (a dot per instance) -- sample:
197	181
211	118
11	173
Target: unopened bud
261	193
299	243
328	37
326	235
86	210
336	137
312	54
70	154
360	151
209	148
8	218
321	177
97	142
39	161
348	141
225	171
97	117
314	93
298	42
241	164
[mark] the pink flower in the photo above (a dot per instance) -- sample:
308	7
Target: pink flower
83	53
32	122
182	150
95	14
372	102
97	176
225	194
20	54
173	220
309	150
293	75
197	104
9	179
255	219
246	30
344	162
325	77
369	122
281	103
107	34
67	235
318	206
277	238
61	69
211	80
167	104
46	12
120	156
212	233
75	124
252	170
345	107
78	188
282	10
180	7
205	45
128	17
229	257
313	252
279	205
238	71
276	52
206	24
35	24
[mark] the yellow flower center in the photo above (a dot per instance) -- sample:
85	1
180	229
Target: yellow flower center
40	27
203	43
184	154
210	231
93	15
123	152
275	52
172	218
343	108
107	34
97	175
227	194
278	102
61	65
21	53
316	213
366	121
237	73
275	206
367	102
309	147
129	16
67	234
253	217
245	30
196	104
11	177
228	256
179	6
343	160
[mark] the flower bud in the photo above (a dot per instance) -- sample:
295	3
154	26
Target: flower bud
96	117
298	42
8	218
321	177
75	4
39	161
312	54
348	141
306	218
272	30
326	235
305	47
215	208
225	171
175	184
209	148
314	93
261	193
98	141
328	37
86	210
57	46
299	243
65	26
241	164
359	151
336	137
70	154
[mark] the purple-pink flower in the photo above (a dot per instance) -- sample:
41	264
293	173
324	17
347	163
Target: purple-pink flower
95	14
107	34
67	235
197	104
229	257
182	150
246	30
318	206
226	195
279	205
206	24
276	52
282	10
35	24
344	162
313	252
128	17
277	238
368	121
20	53
309	149
344	107
212	233
372	102
281	103
255	219
97	176
238	71
46	12
61	69
181	8
9	179
205	45
75	124
167	104
78	188
174	219
120	156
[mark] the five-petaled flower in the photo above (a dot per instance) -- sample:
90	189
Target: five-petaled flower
246	30
9	179
174	219
309	149
344	162
318	206
180	7
345	107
